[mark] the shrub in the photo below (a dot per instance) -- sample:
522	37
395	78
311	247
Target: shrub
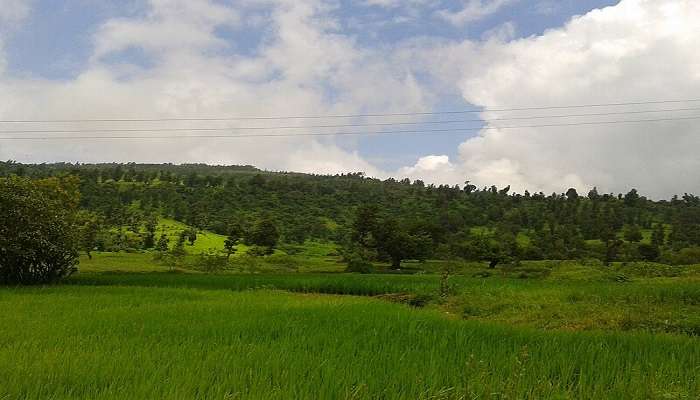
357	263
685	256
211	261
38	240
260	251
648	252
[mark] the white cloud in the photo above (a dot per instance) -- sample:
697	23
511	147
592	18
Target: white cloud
13	11
432	168
473	10
170	26
303	67
637	50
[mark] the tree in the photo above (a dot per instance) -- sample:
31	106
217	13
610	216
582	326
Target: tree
90	225
234	236
389	238
571	194
191	236
658	236
179	249
163	244
633	233
38	232
264	234
631	198
151	225
648	252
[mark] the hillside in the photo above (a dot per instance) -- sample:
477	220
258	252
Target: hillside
464	222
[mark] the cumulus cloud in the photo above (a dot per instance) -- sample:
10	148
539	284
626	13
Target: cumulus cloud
302	67
636	50
14	11
473	10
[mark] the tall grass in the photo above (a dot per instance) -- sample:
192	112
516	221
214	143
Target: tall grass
652	305
177	343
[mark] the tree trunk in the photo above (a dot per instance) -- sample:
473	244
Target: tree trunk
395	263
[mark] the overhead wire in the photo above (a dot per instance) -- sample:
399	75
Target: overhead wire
242	118
439	122
423	131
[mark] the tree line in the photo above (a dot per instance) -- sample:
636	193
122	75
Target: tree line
376	220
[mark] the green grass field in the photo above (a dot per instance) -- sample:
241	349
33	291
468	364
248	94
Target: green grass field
181	343
291	326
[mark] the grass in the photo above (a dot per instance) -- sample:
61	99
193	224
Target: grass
205	240
664	305
291	326
310	257
182	343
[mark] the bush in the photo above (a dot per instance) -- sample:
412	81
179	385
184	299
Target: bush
357	263
260	251
648	252
685	256
38	240
211	261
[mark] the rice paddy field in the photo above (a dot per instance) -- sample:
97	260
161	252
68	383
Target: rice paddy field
155	334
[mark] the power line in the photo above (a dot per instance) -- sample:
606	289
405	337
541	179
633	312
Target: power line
427	131
486	109
195	129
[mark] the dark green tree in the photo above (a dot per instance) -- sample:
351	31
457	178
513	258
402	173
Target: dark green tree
231	242
633	233
38	232
89	225
264	233
163	244
151	225
191	236
658	236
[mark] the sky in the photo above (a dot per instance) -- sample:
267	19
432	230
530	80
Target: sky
173	59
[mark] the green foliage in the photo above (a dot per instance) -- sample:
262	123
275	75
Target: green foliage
357	261
163	243
633	233
211	261
89	226
260	251
392	238
263	234
648	252
231	242
684	256
512	226
150	238
38	230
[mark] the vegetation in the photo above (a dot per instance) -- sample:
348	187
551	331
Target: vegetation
390	220
223	344
228	282
38	242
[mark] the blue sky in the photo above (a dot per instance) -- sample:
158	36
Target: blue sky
135	59
56	42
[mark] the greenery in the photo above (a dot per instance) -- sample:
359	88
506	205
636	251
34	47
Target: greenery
38	241
208	343
230	282
393	220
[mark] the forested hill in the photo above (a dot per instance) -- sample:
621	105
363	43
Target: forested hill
465	221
